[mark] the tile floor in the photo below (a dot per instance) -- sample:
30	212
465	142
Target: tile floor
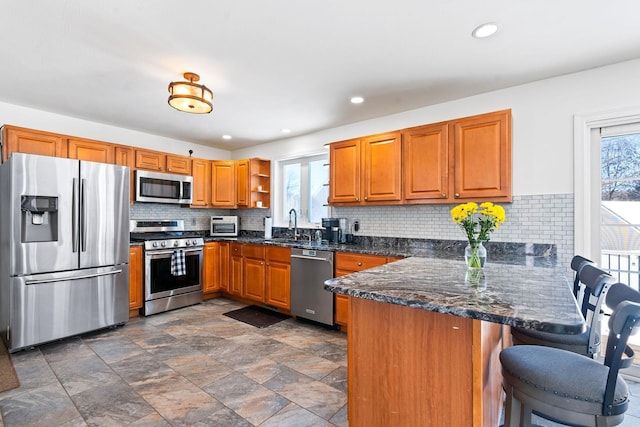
192	367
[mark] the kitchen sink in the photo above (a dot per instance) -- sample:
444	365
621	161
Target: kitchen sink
299	243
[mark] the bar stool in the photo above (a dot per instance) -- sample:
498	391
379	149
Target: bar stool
577	262
594	282
566	387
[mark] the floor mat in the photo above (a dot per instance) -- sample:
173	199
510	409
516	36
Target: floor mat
256	316
8	377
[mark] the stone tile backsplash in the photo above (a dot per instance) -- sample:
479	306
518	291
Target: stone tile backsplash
541	219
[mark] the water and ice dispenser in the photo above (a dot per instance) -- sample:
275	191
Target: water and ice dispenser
39	219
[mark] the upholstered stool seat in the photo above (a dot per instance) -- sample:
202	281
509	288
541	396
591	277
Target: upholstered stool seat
544	374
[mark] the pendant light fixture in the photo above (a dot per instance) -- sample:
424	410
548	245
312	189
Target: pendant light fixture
190	97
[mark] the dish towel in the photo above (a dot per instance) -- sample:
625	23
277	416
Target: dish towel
178	264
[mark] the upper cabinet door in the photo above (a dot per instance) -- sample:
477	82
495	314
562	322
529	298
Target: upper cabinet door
425	157
178	164
223	183
344	175
242	183
93	151
19	140
482	150
382	167
150	160
201	170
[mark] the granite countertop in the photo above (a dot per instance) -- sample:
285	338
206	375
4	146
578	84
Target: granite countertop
515	295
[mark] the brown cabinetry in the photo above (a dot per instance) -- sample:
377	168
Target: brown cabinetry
150	160
211	267
425	156
366	170
93	151
242	183
347	263
224	257
482	157
254	272
223	183
235	269
178	164
20	140
124	156
201	170
260	183
278	282
135	277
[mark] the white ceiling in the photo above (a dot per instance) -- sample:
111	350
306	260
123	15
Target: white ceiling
276	64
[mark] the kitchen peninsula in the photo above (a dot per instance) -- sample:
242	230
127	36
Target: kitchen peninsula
424	340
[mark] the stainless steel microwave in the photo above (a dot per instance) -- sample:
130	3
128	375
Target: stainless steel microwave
225	226
161	187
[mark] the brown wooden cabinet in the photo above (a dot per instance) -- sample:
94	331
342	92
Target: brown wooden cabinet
211	268
93	151
201	170
366	170
21	140
344	172
235	269
482	157
124	156
254	272
136	275
223	184
150	160
425	159
278	282
178	164
224	257
242	183
347	263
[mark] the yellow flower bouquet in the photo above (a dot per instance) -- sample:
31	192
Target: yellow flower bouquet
478	223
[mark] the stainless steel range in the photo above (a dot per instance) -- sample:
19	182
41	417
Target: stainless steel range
172	264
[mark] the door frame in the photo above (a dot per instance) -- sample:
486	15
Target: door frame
586	240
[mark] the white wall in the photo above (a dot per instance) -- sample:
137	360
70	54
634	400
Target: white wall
50	122
542	123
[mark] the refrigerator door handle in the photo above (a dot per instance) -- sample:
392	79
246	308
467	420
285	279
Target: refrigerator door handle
74	216
83	214
64	279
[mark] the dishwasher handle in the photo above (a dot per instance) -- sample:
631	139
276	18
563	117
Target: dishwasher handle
313	258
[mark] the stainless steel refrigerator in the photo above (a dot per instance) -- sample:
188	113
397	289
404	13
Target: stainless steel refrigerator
64	242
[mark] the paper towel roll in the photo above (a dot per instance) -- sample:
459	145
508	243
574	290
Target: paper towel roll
268	224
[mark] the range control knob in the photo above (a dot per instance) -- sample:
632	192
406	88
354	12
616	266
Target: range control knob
194	242
186	242
155	244
163	244
176	243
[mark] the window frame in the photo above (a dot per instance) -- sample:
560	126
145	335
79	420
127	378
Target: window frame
277	211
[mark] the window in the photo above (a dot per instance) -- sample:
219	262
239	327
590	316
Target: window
302	185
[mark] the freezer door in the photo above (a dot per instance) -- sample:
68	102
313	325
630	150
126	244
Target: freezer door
104	214
47	307
38	211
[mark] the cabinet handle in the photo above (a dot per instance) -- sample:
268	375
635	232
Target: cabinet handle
357	199
444	195
366	199
359	264
457	195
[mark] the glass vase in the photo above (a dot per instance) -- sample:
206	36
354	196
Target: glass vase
475	255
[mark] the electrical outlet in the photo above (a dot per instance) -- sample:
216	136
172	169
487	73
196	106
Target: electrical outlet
356	226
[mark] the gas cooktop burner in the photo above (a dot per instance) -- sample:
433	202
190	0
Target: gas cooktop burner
164	234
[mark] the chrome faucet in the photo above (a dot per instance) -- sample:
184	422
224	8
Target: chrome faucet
295	223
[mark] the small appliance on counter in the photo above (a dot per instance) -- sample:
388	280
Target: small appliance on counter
225	226
335	229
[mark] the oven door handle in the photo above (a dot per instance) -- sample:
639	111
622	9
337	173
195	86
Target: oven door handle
171	251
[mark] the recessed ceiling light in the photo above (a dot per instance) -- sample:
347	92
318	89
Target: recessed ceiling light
485	30
285	130
226	136
357	100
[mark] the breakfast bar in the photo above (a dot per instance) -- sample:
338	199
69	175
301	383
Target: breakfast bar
425	334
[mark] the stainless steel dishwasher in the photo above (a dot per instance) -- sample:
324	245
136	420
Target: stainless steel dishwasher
309	270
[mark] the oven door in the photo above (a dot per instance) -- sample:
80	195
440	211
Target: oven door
160	283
